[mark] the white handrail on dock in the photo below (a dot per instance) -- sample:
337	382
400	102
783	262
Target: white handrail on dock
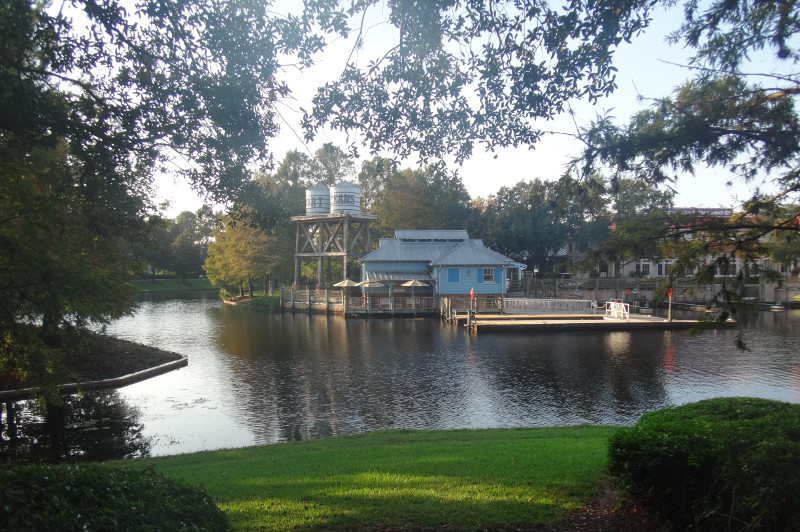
617	310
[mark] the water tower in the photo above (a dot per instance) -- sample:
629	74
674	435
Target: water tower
333	227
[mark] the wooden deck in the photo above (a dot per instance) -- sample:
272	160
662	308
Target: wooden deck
553	322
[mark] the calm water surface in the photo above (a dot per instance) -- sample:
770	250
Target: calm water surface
256	377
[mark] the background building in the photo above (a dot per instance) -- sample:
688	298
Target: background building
448	261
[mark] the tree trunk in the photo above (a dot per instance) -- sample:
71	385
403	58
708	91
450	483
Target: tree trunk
11	421
250	285
49	331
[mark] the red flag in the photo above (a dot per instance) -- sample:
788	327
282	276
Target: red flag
472	293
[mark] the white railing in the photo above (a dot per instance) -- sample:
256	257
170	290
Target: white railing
618	310
536	306
384	303
488	305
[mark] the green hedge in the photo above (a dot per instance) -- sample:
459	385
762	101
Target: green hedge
266	302
93	497
720	464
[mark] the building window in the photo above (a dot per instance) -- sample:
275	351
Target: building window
727	268
488	275
453	275
646	268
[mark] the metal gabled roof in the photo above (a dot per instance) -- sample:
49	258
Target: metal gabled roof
471	253
427	235
500	256
393	250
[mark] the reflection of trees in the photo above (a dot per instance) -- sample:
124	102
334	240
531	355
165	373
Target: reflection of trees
89	427
300	376
577	377
318	376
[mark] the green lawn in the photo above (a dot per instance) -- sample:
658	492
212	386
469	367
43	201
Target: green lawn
463	479
171	285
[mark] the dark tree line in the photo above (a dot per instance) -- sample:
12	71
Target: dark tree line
177	246
533	221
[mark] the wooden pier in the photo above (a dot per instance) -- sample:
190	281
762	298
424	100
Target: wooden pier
559	322
490	314
363	306
612	316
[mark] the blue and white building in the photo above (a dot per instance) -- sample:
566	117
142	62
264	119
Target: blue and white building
448	261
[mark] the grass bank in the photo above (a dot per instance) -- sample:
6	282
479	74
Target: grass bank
392	480
173	285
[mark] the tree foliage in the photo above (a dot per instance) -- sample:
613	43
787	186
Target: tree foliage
331	165
602	221
96	98
632	227
465	73
524	220
256	238
239	254
58	267
189	248
426	198
373	177
742	121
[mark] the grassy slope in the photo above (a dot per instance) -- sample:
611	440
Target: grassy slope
464	479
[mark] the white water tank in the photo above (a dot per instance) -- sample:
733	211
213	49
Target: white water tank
318	200
345	198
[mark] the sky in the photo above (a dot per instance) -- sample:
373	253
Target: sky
647	67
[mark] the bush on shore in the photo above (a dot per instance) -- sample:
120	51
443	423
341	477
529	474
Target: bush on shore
93	497
267	302
719	464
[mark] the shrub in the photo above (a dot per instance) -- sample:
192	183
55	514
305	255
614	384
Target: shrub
266	302
94	497
719	464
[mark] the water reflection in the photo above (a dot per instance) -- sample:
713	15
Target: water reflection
255	377
88	427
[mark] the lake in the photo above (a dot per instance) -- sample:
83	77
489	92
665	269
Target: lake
256	377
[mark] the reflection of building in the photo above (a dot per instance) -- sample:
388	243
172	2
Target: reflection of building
450	262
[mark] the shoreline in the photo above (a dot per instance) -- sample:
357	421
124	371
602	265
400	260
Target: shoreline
115	382
107	362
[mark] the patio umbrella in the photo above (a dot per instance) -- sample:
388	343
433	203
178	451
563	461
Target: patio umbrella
347	283
412	283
